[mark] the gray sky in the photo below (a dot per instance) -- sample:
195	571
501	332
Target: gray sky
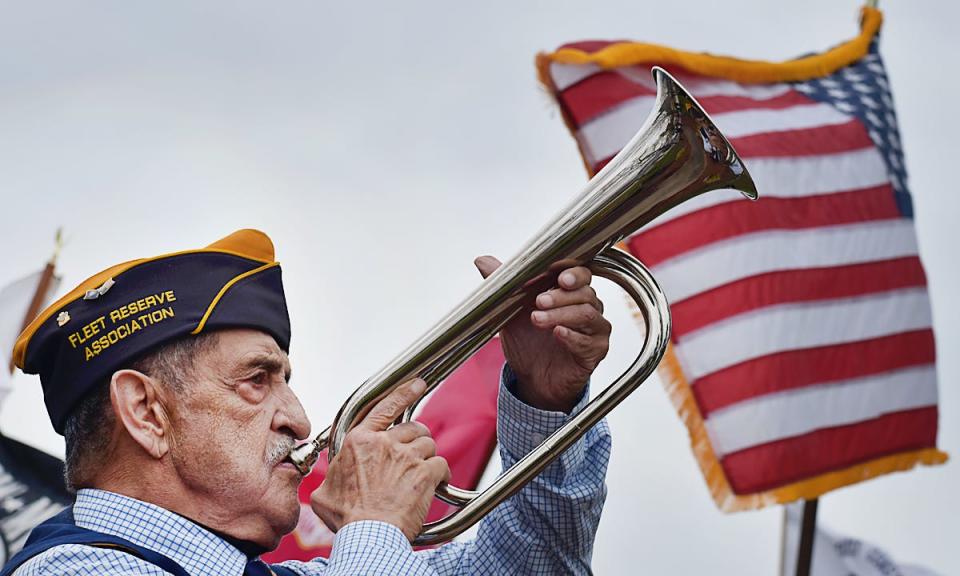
383	147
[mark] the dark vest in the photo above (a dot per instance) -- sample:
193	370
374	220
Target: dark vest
61	529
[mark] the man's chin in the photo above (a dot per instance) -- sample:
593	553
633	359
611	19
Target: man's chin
288	523
284	501
282	515
290	508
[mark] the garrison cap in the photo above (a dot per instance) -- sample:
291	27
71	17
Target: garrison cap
116	316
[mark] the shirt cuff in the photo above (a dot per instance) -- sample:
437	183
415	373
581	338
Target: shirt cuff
521	427
367	538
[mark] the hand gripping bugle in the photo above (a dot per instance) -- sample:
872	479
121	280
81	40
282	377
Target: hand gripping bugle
678	154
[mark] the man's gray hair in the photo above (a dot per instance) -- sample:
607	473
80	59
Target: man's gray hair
89	426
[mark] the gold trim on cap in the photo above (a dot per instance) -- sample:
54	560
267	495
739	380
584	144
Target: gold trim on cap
227	286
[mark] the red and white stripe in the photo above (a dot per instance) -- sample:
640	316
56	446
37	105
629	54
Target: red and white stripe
802	320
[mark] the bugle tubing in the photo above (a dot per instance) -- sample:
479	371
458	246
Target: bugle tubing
678	153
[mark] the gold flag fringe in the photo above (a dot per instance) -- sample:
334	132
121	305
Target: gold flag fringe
677	388
623	54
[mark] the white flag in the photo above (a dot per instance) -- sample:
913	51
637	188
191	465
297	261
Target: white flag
15	299
837	555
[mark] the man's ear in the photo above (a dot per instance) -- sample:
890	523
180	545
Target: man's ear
136	402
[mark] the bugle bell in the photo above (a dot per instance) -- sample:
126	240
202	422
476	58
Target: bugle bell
678	154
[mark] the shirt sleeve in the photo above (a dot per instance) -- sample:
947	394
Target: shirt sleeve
548	527
367	547
374	548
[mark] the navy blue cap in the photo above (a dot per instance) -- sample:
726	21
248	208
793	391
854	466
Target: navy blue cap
116	316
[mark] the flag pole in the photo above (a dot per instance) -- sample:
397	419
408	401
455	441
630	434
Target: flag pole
43	286
807	529
783	541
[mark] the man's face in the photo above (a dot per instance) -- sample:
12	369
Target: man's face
232	428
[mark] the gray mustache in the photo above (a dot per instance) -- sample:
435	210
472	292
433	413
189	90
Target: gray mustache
280	450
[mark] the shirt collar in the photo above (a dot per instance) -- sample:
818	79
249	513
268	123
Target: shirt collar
195	548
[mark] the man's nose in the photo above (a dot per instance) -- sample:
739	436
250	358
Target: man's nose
292	417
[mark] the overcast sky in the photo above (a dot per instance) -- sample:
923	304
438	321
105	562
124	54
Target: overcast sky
383	146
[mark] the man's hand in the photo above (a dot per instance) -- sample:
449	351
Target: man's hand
383	473
555	344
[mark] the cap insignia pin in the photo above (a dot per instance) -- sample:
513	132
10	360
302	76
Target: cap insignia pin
63	318
94	294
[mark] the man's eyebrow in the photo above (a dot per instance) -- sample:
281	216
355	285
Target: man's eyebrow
270	363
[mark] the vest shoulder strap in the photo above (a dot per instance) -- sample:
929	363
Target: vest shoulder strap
61	530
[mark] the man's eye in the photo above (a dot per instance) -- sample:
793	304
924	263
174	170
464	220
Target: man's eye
260	378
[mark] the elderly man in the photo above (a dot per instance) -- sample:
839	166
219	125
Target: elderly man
168	378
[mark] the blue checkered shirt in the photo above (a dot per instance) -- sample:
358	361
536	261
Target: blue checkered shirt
546	528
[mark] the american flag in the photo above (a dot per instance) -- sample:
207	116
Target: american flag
802	356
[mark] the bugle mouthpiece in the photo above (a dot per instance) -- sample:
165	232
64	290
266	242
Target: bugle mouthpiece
305	455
